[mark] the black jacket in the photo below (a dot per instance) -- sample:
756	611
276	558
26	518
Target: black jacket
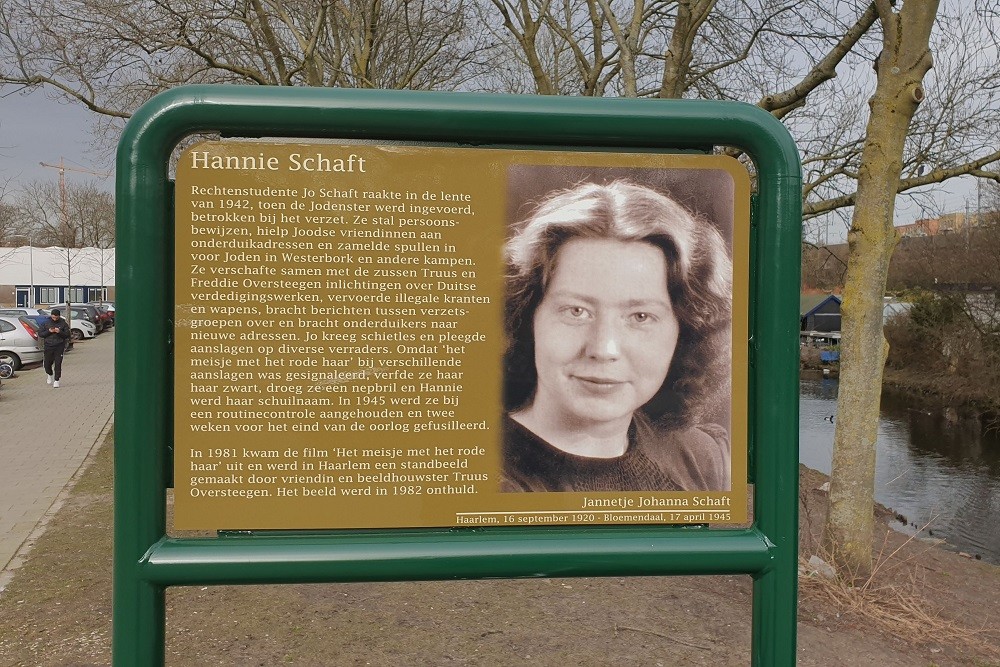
54	339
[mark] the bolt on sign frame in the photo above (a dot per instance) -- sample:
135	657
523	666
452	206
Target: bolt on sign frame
146	560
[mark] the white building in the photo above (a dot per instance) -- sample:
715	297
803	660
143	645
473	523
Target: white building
32	276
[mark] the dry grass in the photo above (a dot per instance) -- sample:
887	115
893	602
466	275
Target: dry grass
893	600
896	611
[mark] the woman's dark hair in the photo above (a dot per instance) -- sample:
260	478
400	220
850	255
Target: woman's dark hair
699	281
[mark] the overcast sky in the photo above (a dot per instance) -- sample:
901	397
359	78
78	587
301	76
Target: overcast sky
37	128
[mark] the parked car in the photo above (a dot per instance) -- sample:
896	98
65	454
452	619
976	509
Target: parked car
109	306
19	342
103	317
80	327
107	316
35	313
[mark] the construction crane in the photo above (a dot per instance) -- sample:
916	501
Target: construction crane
62	183
64	215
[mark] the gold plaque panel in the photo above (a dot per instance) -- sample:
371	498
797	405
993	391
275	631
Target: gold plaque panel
339	336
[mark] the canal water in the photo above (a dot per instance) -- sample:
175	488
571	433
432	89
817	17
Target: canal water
945	475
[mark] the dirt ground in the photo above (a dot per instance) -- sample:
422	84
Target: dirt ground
57	612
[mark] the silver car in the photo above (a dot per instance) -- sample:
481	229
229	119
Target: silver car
19	342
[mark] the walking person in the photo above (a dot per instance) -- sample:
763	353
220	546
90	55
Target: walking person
55	331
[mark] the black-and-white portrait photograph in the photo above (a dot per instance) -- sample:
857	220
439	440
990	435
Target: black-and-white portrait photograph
618	318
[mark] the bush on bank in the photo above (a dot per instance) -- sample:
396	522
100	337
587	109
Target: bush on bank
948	345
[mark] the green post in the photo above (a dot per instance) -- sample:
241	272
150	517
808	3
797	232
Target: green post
143	389
146	560
775	348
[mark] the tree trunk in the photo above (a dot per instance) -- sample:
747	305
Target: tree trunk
901	67
691	14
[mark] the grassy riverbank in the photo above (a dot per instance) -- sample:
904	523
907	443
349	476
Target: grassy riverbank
925	606
945	350
958	397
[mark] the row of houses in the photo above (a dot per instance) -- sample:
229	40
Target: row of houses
31	276
950	223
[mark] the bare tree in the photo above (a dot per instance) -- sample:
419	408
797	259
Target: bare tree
783	56
11	234
91	211
952	133
113	56
8	222
823	266
11	224
901	66
668	48
85	218
14	231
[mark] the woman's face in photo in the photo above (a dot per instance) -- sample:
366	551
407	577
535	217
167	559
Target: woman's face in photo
605	332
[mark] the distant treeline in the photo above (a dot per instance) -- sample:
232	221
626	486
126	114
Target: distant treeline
964	261
947	344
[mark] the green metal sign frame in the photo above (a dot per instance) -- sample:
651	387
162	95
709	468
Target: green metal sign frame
146	560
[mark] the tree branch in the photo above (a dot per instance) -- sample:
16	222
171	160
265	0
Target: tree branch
780	104
973	168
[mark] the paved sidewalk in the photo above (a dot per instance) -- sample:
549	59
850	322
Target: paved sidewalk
46	435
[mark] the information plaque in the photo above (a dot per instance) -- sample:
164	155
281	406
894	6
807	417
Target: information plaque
409	336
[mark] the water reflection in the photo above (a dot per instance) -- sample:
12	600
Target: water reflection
933	472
